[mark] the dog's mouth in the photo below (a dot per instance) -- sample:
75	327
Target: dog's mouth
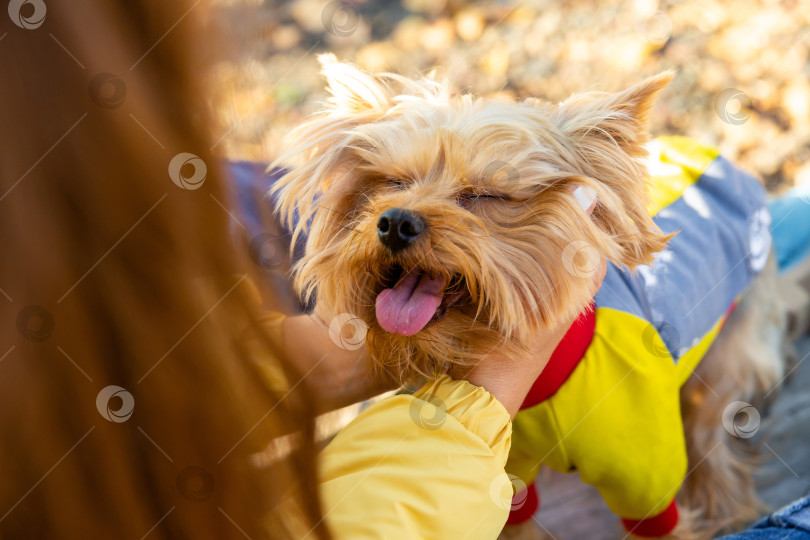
412	299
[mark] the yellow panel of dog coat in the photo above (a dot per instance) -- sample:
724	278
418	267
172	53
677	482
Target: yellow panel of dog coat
675	163
617	420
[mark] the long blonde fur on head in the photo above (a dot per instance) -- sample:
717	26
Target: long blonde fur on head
492	179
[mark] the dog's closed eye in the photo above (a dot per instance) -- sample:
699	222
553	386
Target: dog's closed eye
469	197
397	183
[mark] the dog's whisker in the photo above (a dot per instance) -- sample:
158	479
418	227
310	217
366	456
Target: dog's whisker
333	210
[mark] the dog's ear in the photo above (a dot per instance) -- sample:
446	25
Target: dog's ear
352	90
606	135
317	152
619	119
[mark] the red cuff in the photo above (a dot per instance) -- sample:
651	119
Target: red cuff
524	504
652	527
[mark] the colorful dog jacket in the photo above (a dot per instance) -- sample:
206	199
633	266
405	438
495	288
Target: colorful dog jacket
607	405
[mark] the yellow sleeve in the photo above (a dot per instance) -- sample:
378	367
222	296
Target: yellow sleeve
430	466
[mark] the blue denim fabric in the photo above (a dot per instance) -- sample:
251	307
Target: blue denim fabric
790	523
791	226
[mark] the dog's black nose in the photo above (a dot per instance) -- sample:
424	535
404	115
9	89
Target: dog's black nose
398	228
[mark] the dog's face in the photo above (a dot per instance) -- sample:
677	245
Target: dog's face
449	224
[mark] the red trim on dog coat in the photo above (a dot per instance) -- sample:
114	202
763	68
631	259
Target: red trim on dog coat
653	527
564	359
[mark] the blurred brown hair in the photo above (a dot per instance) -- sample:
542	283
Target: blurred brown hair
113	275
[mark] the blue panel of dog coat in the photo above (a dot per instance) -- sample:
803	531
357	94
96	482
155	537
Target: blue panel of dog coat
723	242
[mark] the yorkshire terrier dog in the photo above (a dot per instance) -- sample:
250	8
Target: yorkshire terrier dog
453	225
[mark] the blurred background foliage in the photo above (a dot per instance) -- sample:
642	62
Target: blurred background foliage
743	80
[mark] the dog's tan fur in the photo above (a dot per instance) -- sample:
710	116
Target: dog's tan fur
385	141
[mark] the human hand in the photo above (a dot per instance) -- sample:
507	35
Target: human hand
508	377
336	376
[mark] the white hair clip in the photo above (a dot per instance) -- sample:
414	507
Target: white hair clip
585	196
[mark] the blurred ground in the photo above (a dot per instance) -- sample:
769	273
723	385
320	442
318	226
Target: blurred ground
743	68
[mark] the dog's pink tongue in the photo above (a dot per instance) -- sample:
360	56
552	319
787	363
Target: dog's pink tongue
407	307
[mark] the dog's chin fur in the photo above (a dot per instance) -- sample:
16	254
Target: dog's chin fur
493	180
